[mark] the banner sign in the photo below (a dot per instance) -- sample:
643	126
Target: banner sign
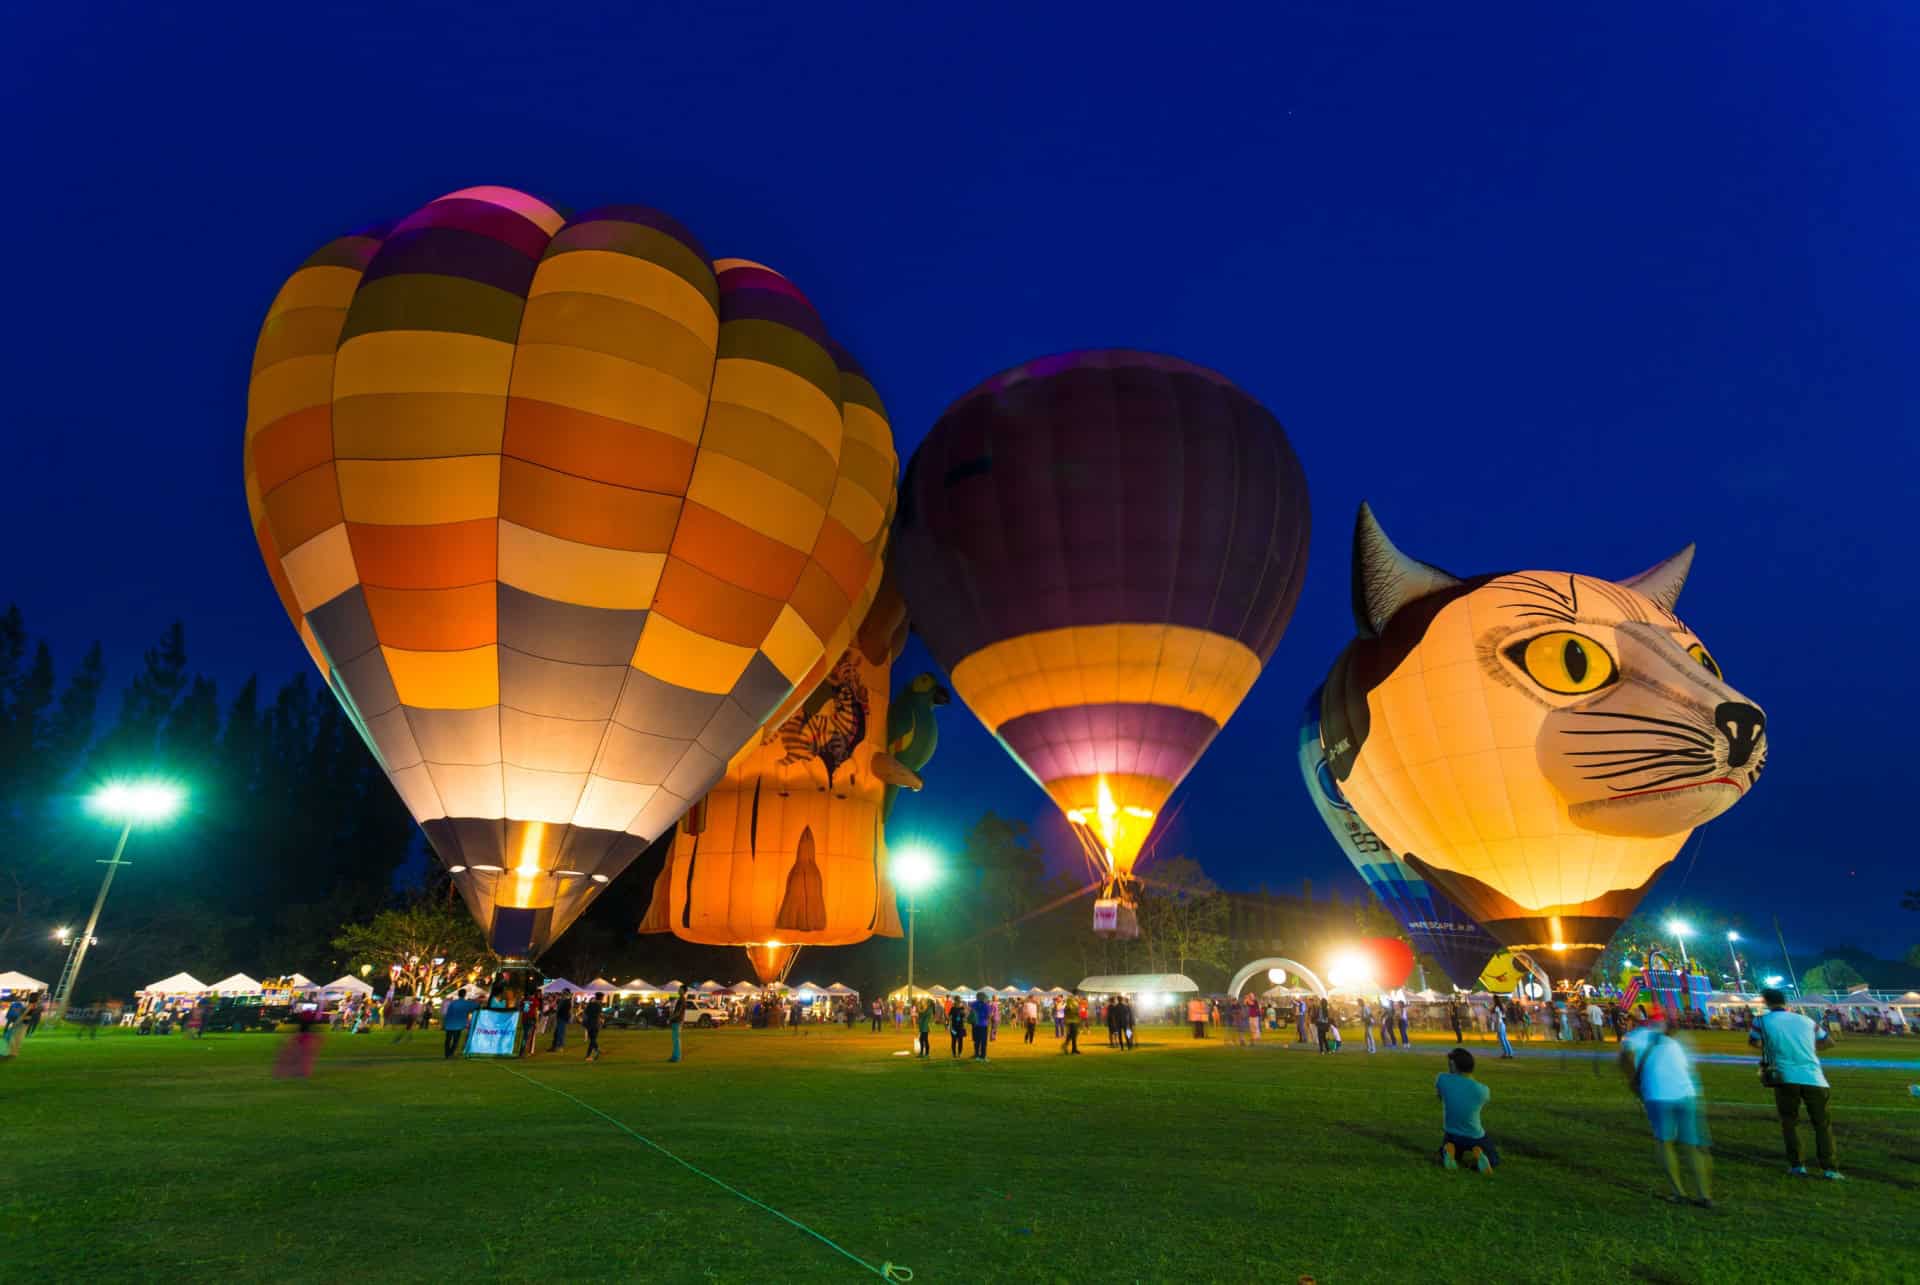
491	1032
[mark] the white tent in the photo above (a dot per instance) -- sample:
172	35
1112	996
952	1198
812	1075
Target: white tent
20	982
238	984
599	986
840	989
810	986
939	991
559	986
1058	990
744	988
178	984
709	987
302	982
346	984
1139	984
639	986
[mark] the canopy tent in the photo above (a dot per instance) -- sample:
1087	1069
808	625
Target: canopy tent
20	982
178	984
839	988
560	986
346	984
900	992
302	982
938	992
810	986
599	986
673	986
238	984
1058	990
744	988
709	987
1138	984
639	986
1039	990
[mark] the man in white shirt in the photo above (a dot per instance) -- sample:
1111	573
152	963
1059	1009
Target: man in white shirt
1790	1062
1597	1019
1662	1077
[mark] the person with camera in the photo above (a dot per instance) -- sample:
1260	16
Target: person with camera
1790	1065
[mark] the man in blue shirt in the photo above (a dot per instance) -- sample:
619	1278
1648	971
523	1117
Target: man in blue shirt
981	1011
454	1018
1463	1139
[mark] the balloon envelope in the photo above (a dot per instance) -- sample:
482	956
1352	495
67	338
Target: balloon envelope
1390	960
564	510
1103	548
1439	929
1537	743
789	849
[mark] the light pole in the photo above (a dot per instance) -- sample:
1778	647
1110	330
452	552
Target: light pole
1680	932
130	804
913	869
1739	981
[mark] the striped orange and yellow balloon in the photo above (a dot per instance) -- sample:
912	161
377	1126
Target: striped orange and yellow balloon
564	510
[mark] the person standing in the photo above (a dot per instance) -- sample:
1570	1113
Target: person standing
1030	1017
1323	1023
677	1016
1661	1076
1500	1028
923	1025
957	1025
562	1015
979	1010
1597	1019
993	1020
16	1026
1790	1065
1076	1014
590	1023
1366	1023
34	1012
1453	1019
453	1019
1124	1022
1197	1014
1400	1007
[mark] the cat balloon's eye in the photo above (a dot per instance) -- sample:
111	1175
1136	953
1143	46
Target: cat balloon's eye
1565	663
1705	660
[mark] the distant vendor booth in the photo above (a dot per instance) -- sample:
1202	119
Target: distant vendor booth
1153	995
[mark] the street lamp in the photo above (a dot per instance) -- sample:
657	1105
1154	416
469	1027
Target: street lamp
131	803
913	869
1680	932
1738	980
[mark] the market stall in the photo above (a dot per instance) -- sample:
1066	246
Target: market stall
20	984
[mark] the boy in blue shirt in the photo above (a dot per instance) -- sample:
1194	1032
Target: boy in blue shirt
1463	1139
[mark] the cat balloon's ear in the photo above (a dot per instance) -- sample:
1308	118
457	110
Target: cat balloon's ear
1663	582
1385	579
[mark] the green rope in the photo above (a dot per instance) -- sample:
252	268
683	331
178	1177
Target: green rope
886	1271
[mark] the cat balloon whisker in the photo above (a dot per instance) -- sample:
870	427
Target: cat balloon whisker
1641	769
1695	729
1703	776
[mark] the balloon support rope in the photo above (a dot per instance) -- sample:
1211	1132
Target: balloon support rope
886	1271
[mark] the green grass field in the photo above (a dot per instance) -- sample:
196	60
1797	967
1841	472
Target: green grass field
168	1158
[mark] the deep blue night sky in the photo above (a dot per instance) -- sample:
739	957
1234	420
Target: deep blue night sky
1559	290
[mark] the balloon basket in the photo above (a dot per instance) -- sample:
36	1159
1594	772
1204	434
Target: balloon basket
1115	917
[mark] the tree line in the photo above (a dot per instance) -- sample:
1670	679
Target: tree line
289	830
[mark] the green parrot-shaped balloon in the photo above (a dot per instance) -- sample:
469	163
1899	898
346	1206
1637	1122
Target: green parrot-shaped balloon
912	733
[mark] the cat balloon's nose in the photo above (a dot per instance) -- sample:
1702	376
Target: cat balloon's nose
1743	725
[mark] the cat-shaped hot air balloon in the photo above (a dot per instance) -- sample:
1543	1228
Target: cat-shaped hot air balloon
1537	743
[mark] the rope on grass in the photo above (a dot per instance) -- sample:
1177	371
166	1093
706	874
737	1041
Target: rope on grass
886	1271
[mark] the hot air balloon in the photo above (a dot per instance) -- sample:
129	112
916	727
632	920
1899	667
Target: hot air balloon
1102	549
563	510
789	849
1538	744
1439	929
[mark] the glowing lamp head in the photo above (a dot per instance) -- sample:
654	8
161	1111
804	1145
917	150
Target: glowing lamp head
1773	979
1732	936
1278	976
137	801
1679	928
1349	969
913	869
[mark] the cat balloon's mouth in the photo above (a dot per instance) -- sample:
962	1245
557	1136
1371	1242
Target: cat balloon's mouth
1675	789
1661	810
